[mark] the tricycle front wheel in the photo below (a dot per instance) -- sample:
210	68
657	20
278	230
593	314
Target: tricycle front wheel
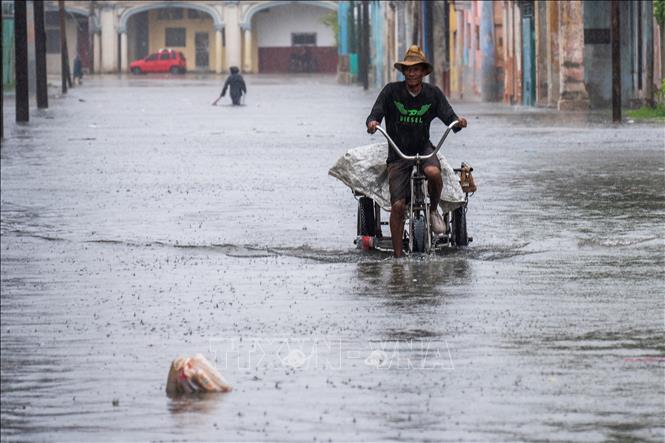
419	234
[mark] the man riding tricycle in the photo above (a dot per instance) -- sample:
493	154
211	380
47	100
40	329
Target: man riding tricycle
413	169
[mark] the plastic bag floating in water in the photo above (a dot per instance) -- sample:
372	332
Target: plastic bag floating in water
194	375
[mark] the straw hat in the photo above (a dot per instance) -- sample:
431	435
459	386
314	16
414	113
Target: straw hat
414	56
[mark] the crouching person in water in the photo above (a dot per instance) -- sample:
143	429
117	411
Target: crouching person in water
409	107
236	84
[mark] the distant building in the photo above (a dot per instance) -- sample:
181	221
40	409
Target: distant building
257	36
528	52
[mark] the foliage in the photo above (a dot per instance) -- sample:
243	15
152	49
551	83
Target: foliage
330	20
660	94
659	11
647	113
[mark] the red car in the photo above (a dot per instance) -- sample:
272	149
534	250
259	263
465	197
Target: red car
166	60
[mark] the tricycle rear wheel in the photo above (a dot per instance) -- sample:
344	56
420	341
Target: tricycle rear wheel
459	234
366	216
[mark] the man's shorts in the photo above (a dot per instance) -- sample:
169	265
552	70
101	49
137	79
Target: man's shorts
399	176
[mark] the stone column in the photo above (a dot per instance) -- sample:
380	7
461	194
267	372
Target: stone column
552	54
647	30
540	14
459	52
97	52
232	29
109	39
219	50
488	87
247	56
573	94
123	51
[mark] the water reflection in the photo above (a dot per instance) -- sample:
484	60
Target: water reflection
195	409
414	279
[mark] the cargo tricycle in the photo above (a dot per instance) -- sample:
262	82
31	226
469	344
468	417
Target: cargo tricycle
418	233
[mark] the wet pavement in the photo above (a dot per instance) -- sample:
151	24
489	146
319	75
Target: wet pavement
140	223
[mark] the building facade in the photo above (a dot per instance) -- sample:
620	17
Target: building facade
528	52
257	36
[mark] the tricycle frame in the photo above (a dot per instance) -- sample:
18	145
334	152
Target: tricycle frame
418	232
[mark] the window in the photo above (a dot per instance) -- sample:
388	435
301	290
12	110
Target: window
51	19
151	57
169	14
196	15
53	41
176	37
477	38
8	9
303	39
164	56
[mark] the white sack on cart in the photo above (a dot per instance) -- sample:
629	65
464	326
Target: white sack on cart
363	169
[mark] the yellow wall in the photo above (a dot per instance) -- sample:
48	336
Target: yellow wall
158	36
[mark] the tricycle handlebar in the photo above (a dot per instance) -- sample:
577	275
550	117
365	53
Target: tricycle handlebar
417	156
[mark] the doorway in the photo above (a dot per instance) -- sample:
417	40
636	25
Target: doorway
202	47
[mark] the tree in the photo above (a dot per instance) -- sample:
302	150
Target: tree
330	20
659	15
659	11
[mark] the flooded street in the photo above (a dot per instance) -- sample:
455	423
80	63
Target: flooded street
140	223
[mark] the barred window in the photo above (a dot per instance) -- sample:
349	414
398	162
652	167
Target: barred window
7	9
303	39
51	19
176	37
53	41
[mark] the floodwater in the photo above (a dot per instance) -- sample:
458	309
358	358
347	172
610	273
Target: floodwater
140	223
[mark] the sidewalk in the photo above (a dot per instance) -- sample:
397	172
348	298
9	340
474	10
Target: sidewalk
9	105
472	109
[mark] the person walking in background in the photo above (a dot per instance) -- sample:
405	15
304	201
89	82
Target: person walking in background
78	69
236	84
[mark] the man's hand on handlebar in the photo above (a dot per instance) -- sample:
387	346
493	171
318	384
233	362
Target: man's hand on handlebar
371	126
461	123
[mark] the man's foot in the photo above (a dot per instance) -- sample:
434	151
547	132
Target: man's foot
436	222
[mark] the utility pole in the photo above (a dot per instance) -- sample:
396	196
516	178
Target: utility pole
647	12
415	38
21	60
616	61
359	40
428	39
64	59
40	53
91	37
365	45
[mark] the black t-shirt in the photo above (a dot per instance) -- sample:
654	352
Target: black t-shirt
408	118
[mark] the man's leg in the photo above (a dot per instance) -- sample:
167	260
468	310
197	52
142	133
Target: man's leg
435	185
397	226
399	176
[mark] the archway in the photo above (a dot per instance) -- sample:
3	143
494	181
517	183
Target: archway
290	37
192	28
